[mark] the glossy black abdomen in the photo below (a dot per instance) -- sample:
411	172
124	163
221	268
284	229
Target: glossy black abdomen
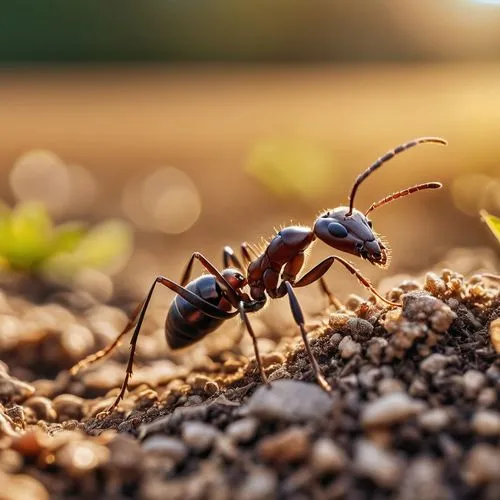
185	323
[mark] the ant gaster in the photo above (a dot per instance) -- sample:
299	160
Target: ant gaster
203	304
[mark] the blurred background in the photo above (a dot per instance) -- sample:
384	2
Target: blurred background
207	123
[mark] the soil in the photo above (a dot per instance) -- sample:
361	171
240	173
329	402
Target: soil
414	412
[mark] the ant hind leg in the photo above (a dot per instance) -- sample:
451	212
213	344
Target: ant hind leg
246	322
195	300
92	358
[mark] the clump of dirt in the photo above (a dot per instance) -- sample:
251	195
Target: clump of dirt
414	412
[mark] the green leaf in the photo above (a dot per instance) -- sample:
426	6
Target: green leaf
27	235
492	222
60	268
67	237
106	246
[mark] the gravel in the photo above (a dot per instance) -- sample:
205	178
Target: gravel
289	400
414	412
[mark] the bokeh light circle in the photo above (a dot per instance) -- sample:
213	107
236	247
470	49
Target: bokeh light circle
166	200
42	176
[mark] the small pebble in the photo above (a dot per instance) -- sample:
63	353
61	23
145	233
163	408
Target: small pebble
225	447
487	397
12	389
10	461
434	420
168	446
16	415
381	466
42	407
375	349
482	464
423	480
486	423
348	348
289	400
335	340
434	363
127	456
78	458
494	331
22	487
288	446
389	409
368	378
360	327
211	388
273	358
260	484
243	430
198	435
473	381
326	456
418	388
68	407
389	385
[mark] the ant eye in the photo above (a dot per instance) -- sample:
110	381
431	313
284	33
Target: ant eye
337	230
370	223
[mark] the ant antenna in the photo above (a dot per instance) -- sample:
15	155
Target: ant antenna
402	193
386	157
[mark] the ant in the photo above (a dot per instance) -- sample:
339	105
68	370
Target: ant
203	304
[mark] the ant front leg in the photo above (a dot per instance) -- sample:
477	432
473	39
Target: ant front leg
332	300
318	271
490	276
293	268
298	316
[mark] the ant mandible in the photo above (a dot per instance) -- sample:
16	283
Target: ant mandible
203	304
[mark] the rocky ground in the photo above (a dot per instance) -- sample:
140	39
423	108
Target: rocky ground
415	411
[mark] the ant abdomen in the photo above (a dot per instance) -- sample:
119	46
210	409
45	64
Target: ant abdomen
186	324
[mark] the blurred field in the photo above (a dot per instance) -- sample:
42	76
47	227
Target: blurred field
204	120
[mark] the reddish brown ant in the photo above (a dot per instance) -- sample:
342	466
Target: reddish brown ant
203	304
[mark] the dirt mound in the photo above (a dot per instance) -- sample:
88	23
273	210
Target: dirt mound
415	410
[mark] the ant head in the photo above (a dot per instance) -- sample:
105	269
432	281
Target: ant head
349	230
234	278
352	234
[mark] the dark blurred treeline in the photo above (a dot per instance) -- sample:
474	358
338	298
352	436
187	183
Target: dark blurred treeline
247	30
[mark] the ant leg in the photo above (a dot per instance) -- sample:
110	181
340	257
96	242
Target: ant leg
233	296
490	276
246	321
245	252
315	274
332	300
92	358
192	298
293	267
318	271
229	257
298	316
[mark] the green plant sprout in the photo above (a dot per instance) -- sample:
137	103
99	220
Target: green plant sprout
492	222
31	243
